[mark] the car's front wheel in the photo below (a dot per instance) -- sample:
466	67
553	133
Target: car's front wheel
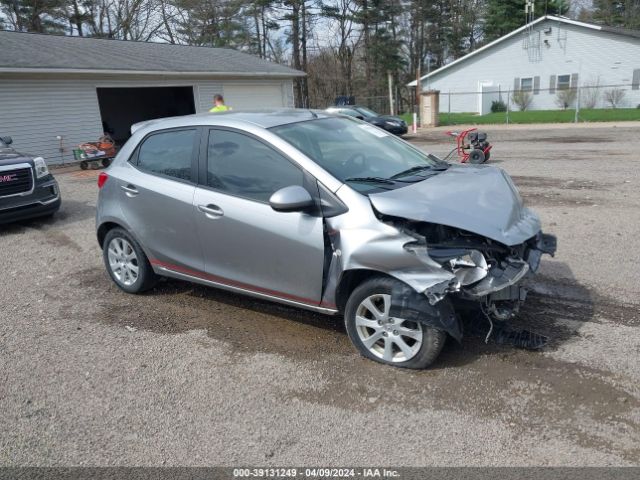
126	263
386	339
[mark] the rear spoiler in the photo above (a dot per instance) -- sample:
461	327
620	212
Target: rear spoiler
137	126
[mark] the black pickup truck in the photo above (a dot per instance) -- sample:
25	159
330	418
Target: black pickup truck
27	189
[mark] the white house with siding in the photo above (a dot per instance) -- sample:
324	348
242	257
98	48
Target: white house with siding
546	56
57	91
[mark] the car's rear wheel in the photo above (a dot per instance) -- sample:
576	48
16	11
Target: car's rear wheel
386	339
126	263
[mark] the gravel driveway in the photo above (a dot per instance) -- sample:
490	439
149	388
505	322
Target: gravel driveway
187	375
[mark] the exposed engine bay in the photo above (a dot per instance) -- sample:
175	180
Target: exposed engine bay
486	272
467	272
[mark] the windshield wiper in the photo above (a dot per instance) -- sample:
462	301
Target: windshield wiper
385	181
418	168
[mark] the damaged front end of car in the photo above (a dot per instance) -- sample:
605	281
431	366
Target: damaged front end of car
487	274
444	269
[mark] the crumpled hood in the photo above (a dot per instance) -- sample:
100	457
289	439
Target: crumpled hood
479	199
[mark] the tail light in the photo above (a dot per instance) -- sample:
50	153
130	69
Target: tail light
102	179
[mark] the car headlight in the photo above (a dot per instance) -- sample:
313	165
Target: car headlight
40	167
468	266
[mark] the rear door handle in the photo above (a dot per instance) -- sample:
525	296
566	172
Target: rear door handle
129	190
211	211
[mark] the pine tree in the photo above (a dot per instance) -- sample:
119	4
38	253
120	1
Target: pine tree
617	13
504	16
41	16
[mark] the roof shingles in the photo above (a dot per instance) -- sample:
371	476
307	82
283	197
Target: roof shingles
36	51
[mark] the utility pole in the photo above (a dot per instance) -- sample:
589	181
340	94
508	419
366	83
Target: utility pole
390	79
416	111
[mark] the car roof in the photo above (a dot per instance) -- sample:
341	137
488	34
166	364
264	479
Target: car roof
262	118
348	106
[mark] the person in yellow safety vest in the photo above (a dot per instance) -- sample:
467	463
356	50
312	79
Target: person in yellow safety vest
218	104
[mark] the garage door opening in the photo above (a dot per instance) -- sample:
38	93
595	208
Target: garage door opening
122	107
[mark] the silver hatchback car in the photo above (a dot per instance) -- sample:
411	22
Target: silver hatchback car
325	213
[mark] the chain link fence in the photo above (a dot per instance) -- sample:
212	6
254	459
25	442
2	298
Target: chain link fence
581	103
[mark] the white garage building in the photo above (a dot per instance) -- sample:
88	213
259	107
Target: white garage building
548	55
57	91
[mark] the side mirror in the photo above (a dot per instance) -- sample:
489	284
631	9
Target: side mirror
7	140
291	199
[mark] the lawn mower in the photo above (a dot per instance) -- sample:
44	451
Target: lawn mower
472	146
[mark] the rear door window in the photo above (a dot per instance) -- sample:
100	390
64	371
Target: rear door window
168	153
243	166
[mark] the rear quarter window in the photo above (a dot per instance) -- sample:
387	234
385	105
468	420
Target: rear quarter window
168	153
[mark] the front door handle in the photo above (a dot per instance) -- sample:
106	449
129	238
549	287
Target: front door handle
211	211
130	190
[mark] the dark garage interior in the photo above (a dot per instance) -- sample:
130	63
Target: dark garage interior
122	107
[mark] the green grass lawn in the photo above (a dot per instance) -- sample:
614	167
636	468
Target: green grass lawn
537	116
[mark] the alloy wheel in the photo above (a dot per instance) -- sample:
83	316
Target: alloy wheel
389	338
123	261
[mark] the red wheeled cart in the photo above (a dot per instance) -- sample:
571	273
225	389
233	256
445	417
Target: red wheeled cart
101	151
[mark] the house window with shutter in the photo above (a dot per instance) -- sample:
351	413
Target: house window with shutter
564	82
526	84
574	80
635	81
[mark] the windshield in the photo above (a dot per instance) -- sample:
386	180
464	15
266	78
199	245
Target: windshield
366	157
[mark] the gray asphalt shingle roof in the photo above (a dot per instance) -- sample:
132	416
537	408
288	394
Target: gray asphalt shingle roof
37	51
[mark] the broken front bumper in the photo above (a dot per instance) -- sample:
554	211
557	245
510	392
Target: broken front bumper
499	278
501	281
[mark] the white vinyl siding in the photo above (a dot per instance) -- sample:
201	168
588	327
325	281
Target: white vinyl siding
205	93
571	49
34	110
243	96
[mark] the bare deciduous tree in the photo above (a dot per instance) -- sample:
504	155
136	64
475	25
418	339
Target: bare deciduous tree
566	97
614	97
522	99
590	93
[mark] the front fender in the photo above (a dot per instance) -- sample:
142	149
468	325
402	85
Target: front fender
379	248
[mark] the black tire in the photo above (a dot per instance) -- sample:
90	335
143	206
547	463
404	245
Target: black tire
84	165
146	277
106	162
432	339
476	156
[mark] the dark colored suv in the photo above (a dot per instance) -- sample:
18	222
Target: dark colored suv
27	189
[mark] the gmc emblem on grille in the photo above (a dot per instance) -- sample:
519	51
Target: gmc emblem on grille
8	178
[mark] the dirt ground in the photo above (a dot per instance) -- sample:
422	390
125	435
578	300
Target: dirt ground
187	375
